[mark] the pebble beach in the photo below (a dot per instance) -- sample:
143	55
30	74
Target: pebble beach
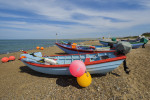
18	82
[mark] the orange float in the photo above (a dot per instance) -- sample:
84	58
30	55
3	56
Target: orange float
42	48
37	47
5	59
11	58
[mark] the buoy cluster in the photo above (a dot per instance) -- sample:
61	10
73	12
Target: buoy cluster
77	69
42	48
6	59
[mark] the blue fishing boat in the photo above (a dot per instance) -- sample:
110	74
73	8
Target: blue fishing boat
96	63
136	40
114	43
78	49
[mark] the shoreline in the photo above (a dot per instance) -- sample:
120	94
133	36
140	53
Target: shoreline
25	50
34	50
17	45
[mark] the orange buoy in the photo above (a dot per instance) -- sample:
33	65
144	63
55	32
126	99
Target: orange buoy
37	47
5	59
11	58
42	48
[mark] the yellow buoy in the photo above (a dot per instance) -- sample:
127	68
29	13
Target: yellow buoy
84	80
42	48
37	47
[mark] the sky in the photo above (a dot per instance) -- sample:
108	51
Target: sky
42	19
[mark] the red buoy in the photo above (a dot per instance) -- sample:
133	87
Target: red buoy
11	58
5	59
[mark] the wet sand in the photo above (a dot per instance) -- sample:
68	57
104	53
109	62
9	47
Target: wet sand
18	82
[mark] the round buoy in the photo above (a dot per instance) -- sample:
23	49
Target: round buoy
77	68
5	59
42	48
37	47
11	58
84	80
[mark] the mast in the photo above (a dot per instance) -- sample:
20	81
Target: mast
56	37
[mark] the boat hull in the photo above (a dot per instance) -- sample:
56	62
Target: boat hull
137	45
79	51
134	45
101	68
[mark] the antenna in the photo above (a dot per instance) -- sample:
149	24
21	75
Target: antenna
56	37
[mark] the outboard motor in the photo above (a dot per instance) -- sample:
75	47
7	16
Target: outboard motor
110	44
123	47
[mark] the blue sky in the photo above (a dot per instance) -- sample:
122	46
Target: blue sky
42	19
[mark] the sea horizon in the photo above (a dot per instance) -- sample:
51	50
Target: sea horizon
56	39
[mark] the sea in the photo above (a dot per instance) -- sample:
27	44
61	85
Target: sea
8	46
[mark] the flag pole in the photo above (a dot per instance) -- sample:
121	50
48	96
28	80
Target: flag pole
56	37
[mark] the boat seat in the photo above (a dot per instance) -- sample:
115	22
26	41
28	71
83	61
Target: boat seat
104	57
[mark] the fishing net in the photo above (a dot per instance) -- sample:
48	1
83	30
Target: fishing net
123	47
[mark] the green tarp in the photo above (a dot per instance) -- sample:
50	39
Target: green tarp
144	40
113	39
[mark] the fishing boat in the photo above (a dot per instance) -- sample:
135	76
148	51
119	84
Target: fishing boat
136	40
78	49
114	43
96	63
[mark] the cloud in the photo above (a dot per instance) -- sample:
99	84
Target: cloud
76	17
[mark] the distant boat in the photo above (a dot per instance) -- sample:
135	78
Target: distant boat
114	43
78	49
136	40
96	63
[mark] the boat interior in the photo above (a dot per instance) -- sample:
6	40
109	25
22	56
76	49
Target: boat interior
84	58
